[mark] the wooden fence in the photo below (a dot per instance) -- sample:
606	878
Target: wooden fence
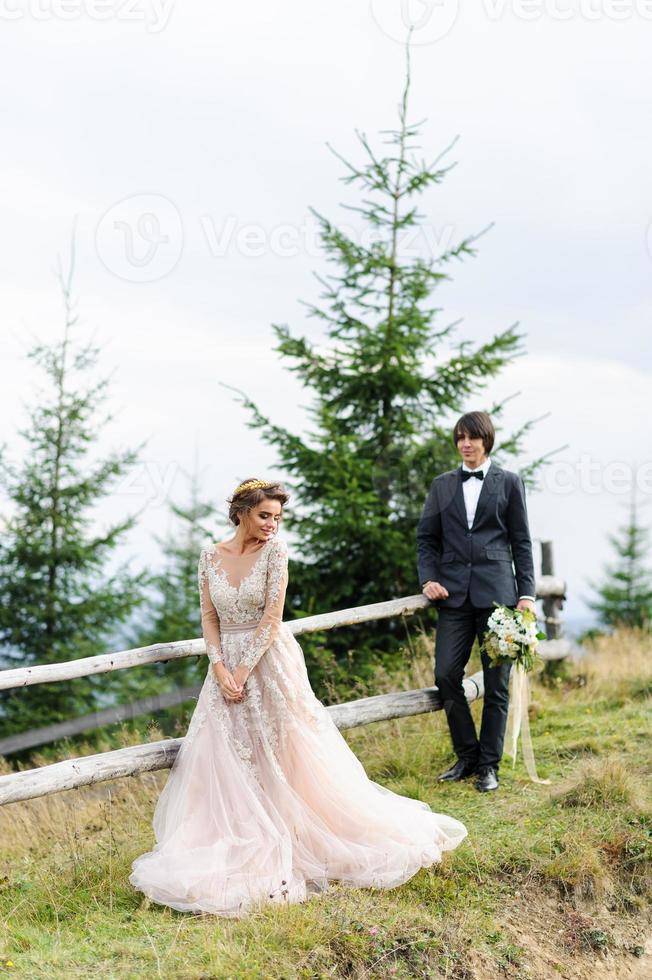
151	756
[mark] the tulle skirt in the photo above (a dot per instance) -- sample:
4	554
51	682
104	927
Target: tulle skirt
266	802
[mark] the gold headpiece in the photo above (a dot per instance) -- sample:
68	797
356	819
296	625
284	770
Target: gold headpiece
250	485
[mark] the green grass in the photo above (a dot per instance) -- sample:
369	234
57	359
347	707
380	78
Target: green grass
549	878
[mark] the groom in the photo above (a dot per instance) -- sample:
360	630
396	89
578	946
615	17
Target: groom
473	525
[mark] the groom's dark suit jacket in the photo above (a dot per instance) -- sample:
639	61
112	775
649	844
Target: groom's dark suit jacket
479	559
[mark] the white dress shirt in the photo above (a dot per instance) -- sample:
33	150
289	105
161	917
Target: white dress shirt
471	490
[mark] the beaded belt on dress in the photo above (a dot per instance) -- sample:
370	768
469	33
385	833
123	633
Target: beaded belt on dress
237	627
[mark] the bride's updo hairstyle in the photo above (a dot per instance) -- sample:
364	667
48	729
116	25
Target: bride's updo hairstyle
250	493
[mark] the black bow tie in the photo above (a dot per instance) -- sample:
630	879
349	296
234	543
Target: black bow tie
467	474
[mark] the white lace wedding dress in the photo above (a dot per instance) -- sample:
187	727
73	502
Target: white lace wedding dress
265	801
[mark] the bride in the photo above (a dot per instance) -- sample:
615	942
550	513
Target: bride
265	801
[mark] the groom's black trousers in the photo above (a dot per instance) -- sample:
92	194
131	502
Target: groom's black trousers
456	631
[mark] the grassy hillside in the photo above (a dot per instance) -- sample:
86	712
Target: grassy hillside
553	881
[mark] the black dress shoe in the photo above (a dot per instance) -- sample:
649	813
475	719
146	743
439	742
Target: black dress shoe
460	770
487	779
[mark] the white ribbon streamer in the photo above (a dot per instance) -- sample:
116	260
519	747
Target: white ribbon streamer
520	722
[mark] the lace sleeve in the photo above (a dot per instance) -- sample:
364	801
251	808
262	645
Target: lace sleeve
210	623
267	629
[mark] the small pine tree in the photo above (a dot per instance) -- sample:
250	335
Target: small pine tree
385	397
174	613
58	603
625	596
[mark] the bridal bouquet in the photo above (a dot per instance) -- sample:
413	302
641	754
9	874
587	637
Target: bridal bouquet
512	636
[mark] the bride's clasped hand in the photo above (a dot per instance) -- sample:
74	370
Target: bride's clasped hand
265	801
232	685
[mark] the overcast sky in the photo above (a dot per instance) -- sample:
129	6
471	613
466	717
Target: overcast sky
189	141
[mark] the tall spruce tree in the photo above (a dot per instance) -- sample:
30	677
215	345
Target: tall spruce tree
625	596
385	395
58	602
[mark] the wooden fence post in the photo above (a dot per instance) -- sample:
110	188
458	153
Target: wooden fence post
553	670
551	604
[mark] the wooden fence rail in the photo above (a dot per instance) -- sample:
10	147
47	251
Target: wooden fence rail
550	650
97	719
72	773
547	586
